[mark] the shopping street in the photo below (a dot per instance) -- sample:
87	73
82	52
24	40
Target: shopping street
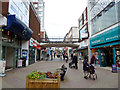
73	78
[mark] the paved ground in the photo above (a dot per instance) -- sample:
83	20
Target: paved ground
73	78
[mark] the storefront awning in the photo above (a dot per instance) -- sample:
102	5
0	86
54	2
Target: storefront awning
18	27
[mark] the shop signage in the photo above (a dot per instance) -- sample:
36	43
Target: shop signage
34	44
84	35
108	36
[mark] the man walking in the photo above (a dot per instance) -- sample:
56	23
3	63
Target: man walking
75	60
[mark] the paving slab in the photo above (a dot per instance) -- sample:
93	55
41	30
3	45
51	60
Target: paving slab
73	78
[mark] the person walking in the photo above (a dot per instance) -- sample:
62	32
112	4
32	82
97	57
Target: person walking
51	55
63	56
75	60
47	56
93	60
54	54
85	67
71	56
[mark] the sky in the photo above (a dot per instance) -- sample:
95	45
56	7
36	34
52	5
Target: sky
61	15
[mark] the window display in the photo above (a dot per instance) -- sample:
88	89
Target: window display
118	57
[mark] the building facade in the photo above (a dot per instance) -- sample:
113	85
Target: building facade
39	7
83	34
16	32
104	23
72	35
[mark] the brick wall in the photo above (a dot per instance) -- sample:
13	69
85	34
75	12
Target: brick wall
4	8
34	25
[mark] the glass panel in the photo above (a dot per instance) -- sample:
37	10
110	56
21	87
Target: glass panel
105	19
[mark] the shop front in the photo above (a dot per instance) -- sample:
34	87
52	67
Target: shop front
107	45
82	52
34	51
12	36
11	50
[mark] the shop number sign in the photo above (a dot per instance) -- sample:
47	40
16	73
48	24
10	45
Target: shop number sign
2	66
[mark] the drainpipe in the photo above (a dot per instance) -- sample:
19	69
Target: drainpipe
114	56
99	57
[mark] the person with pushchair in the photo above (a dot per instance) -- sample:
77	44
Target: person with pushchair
86	67
74	61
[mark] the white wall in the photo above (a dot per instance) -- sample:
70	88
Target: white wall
3	21
75	33
20	10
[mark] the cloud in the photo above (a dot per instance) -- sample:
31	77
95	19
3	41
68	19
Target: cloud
61	15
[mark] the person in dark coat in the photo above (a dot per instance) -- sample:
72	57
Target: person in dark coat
63	56
93	59
47	56
75	60
85	67
71	56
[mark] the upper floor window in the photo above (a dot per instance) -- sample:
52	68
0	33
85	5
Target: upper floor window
85	15
81	22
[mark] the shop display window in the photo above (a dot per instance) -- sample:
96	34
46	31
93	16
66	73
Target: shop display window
118	57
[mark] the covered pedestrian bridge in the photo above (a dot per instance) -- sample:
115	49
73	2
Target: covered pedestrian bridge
59	42
45	45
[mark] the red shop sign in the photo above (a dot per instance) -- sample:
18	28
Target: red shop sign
34	44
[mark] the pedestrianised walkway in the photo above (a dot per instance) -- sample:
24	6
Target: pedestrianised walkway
73	78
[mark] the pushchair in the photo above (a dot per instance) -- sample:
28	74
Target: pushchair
63	70
91	73
71	65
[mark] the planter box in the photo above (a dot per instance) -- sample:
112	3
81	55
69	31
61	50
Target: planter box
43	83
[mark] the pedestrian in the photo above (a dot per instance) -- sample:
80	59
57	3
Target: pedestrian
93	60
51	55
71	56
54	54
75	60
63	56
86	67
47	56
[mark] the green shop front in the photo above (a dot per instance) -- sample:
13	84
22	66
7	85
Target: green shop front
107	44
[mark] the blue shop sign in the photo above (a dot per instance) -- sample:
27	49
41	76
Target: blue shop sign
108	36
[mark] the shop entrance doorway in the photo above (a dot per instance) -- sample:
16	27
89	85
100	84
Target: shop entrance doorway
107	56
